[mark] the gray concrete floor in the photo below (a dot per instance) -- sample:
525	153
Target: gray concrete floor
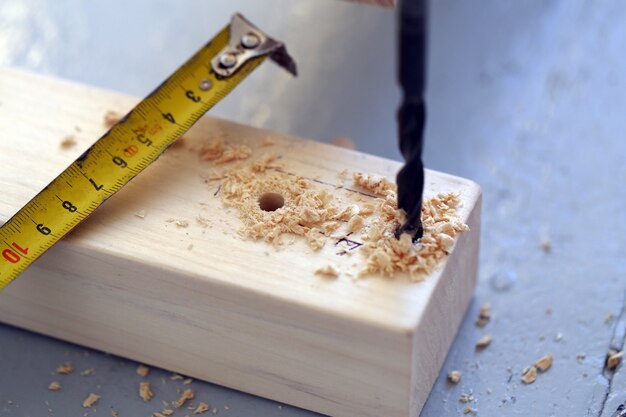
526	98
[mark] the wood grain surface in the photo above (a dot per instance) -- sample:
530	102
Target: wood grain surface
204	301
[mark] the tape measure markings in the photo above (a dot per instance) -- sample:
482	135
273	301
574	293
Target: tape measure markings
132	144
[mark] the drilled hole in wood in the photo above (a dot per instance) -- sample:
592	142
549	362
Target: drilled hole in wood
271	201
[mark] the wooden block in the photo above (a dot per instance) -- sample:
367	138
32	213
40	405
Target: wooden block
241	313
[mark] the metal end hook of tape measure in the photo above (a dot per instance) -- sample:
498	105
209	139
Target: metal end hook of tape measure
247	42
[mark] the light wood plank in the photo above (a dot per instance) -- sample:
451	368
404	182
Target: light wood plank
235	312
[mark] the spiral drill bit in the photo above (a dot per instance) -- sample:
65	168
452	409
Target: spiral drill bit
412	27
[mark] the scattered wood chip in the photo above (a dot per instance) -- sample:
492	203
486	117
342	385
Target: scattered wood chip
54	386
111	118
68	142
168	412
187	395
484	341
203	222
187	381
141	214
91	400
545	244
581	357
376	184
176	377
65	369
114	413
454	377
544	363
529	374
466	398
201	408
268	142
178	222
484	315
355	224
88	372
143	370
613	359
157	414
468	410
327	271
145	391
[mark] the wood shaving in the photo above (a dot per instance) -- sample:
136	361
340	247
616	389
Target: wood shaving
468	410
268	142
203	222
65	369
581	357
143	370
54	386
454	377
529	374
111	118
355	224
91	400
483	342
327	271
201	408
167	412
613	359
157	414
377	185
187	381
68	142
187	395
220	152
466	398
544	363
114	413
141	214
484	315
176	377
145	391
88	372
545	244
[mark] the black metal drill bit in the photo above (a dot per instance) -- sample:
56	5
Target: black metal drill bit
412	30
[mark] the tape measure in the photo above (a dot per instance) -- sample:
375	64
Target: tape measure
135	142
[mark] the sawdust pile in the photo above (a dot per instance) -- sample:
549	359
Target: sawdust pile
220	152
273	203
388	255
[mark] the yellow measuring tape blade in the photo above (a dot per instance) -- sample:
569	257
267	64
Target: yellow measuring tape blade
133	144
